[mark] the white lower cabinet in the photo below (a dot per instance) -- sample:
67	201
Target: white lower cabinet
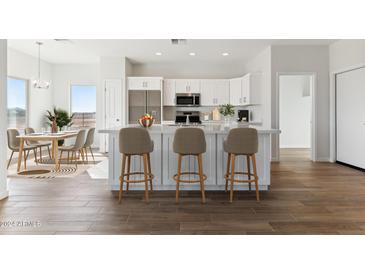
189	162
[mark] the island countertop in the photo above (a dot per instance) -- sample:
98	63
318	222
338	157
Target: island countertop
164	160
209	128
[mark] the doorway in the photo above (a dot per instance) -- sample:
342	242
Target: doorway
296	100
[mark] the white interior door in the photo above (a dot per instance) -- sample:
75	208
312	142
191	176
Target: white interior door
350	117
113	105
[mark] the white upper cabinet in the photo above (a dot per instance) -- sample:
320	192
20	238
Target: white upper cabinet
169	92
246	90
144	83
214	92
235	91
187	86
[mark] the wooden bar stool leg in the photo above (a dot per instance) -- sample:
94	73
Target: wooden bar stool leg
178	177
149	169
200	163
128	170
233	158
256	178
35	156
228	164
40	154
145	171
121	179
248	170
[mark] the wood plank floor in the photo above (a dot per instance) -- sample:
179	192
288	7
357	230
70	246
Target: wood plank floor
305	198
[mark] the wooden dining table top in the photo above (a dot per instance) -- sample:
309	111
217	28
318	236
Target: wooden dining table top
48	135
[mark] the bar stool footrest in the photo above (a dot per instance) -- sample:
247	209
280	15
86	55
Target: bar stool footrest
150	176
189	181
227	176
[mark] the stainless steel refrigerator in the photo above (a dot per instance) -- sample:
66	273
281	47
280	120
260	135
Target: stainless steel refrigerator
142	102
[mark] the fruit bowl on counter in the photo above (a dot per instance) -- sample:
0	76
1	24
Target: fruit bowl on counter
146	120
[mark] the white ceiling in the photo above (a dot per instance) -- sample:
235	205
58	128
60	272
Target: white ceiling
143	50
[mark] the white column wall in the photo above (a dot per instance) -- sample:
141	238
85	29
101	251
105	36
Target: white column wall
3	121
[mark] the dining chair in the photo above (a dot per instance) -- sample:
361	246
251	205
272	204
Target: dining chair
39	145
77	147
14	146
88	143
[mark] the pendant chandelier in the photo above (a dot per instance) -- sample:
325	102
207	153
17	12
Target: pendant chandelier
39	83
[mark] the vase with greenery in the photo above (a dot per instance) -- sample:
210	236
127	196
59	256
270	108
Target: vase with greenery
60	118
227	111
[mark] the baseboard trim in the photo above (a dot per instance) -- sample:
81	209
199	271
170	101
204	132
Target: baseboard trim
323	159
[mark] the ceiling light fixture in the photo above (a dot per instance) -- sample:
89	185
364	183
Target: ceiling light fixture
192	53
158	53
225	53
38	83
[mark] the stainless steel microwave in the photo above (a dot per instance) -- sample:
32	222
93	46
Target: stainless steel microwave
188	99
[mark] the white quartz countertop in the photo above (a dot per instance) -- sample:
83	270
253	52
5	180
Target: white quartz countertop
209	128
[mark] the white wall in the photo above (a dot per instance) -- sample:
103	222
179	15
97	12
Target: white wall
25	66
3	121
304	59
295	111
190	70
262	64
64	75
343	55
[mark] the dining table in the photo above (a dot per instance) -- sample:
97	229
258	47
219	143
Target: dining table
45	137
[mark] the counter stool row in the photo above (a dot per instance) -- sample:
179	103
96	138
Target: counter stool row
188	142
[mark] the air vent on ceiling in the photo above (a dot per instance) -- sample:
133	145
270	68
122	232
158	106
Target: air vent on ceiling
63	40
178	41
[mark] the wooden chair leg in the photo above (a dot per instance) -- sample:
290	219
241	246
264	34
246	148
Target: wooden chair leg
25	159
11	157
248	170
200	164
49	153
60	161
145	171
74	155
35	156
178	177
92	154
85	151
68	157
128	170
121	179
227	170
233	158
149	169
40	154
253	157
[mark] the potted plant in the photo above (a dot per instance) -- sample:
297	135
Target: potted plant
227	111
59	119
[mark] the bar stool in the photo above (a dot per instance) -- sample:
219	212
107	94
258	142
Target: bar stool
241	142
189	141
135	141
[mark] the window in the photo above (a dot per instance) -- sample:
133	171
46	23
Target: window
17	103
83	105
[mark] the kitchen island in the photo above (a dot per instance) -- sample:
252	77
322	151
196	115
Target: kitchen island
164	160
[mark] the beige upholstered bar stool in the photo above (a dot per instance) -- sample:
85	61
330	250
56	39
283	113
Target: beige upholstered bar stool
135	141
189	141
241	142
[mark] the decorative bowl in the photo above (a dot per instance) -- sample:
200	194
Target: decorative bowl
146	122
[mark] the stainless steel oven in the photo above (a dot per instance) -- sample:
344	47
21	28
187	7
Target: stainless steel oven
188	99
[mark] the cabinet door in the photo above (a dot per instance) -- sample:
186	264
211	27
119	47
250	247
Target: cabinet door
194	86
136	83
207	93
221	92
246	89
153	84
182	86
169	92
235	91
214	92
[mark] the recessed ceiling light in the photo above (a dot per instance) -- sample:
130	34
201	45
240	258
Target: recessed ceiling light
225	53
158	53
192	53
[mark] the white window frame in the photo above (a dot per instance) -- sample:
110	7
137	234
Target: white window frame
27	105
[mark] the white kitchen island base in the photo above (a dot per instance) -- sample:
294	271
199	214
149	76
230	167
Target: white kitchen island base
164	160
